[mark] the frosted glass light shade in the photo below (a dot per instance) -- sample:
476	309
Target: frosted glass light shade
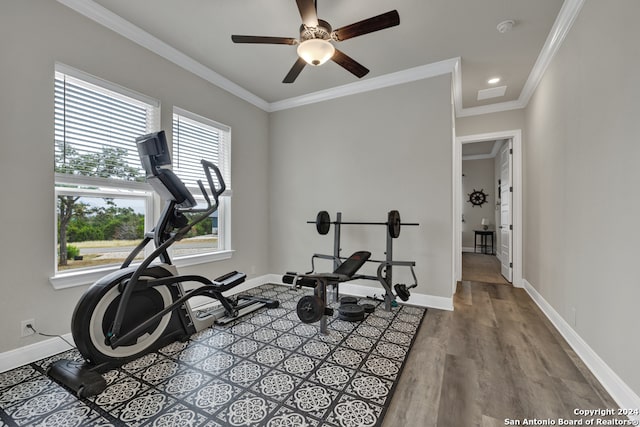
316	51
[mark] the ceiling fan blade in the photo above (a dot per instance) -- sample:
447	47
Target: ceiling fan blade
349	64
308	12
377	23
263	39
294	71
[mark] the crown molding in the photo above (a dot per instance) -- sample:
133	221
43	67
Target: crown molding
563	23
392	79
565	19
561	26
489	108
105	17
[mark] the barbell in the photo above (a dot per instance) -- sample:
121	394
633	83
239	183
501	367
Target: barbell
323	223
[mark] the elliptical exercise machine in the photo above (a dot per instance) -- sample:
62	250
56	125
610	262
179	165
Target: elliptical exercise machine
139	309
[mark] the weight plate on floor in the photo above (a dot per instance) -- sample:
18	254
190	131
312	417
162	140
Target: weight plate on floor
310	309
393	223
368	308
348	300
351	312
323	222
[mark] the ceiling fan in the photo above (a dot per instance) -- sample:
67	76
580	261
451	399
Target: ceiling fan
315	47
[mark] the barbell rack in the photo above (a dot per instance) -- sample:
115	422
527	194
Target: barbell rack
384	274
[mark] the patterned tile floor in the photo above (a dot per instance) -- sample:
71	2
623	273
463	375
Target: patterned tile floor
266	369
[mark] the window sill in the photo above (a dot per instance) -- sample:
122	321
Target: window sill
86	277
190	260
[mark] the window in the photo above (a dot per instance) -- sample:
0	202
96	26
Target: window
196	138
103	205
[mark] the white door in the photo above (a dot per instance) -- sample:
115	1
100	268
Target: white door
506	200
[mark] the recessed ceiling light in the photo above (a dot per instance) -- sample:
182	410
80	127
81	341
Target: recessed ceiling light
493	80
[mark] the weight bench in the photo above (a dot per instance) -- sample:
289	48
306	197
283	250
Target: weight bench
313	308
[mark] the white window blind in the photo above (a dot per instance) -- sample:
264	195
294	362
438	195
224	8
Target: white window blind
95	128
196	138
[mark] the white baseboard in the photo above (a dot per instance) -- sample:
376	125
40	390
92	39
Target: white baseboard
617	388
274	278
24	355
30	353
421	300
363	291
432	301
465	249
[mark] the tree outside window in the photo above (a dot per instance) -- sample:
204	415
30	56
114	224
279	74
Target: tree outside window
101	197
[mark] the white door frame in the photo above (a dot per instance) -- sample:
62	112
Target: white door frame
516	136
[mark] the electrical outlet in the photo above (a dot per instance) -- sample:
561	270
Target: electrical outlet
24	330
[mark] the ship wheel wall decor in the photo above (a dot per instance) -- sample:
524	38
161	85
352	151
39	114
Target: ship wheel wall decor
477	198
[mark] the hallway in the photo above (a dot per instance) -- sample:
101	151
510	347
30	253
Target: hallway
481	268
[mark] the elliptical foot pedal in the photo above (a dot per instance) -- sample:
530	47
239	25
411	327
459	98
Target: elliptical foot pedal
267	302
246	304
351	312
78	376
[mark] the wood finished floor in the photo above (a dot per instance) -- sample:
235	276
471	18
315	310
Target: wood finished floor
495	357
482	268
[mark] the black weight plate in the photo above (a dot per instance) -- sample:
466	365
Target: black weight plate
351	309
368	308
323	222
351	312
354	318
310	309
393	223
402	291
348	300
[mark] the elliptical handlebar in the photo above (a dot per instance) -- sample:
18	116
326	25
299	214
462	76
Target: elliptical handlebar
211	207
217	192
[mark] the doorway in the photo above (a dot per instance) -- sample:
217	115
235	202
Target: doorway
509	238
483	268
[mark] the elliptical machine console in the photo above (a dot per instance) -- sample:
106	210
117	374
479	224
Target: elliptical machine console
139	309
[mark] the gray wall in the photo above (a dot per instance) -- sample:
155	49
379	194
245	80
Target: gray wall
493	122
581	183
364	155
33	35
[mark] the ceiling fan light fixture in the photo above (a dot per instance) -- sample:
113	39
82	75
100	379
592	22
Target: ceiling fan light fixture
316	51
